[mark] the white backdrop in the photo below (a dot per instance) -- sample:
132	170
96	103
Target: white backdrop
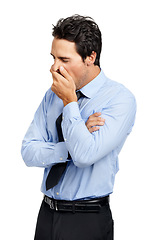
130	55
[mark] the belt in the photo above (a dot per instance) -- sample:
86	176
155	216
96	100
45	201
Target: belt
93	205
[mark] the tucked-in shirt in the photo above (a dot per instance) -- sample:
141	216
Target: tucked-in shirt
91	171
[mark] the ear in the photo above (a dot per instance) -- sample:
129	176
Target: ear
91	59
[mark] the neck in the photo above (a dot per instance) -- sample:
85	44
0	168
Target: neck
94	72
91	74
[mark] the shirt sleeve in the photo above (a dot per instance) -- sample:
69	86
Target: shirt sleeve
87	148
37	148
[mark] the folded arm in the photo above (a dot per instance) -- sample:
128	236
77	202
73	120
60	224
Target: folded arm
87	148
38	148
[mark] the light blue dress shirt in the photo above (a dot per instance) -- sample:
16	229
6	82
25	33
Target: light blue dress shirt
91	171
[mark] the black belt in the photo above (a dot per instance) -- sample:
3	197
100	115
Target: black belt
93	205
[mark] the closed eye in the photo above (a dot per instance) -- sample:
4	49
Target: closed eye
63	59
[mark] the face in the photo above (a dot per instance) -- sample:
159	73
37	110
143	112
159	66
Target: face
65	54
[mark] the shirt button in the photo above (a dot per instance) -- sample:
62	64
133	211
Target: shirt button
57	193
61	158
62	118
65	139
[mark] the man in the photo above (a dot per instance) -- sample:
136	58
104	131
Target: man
79	134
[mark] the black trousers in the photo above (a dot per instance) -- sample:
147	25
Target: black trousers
52	225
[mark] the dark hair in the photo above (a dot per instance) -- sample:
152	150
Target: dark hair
84	32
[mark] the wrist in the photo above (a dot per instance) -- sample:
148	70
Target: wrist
72	99
67	102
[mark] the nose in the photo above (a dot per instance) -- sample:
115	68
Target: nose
56	65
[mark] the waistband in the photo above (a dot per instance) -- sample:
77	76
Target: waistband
93	205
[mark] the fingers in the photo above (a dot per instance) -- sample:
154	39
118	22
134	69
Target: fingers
64	72
95	119
57	76
63	85
59	79
93	129
96	114
61	76
94	122
61	72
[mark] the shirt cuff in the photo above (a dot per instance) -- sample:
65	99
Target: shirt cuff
71	111
61	152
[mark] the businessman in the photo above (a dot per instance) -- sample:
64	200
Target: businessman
76	135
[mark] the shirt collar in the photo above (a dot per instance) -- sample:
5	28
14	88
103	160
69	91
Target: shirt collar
92	87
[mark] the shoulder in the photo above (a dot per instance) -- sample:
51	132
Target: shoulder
117	91
114	95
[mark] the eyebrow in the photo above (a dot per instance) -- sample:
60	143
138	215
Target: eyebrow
62	58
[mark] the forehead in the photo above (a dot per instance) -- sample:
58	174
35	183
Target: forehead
62	47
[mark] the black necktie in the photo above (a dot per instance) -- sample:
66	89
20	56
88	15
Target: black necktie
58	169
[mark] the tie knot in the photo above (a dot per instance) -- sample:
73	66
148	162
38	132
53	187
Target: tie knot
79	94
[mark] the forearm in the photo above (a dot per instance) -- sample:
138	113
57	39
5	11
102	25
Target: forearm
38	149
43	154
87	148
82	145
